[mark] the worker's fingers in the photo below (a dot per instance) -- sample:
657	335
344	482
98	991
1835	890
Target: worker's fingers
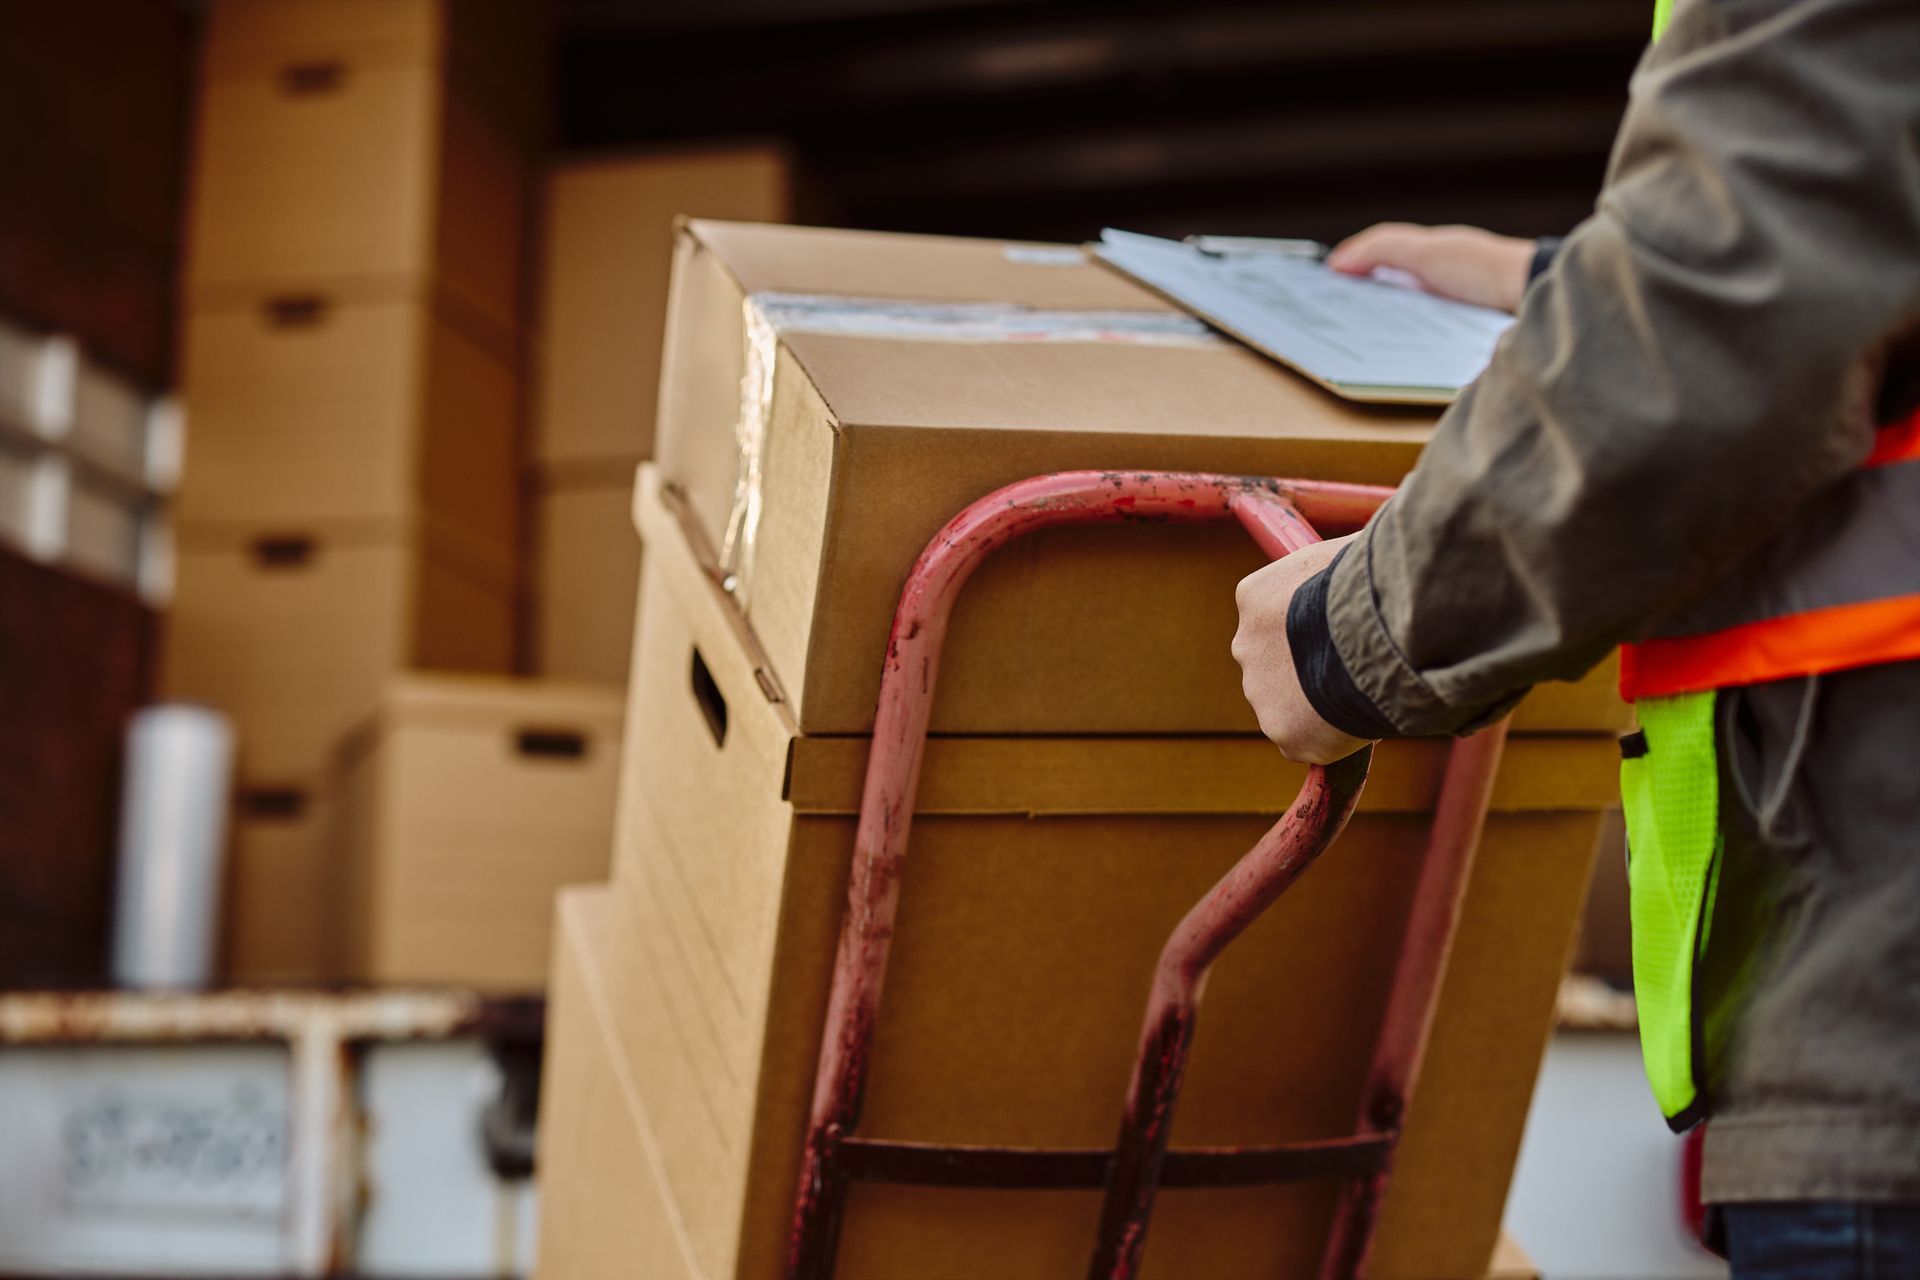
1400	245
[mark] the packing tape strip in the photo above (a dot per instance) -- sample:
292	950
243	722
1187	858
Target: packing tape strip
767	315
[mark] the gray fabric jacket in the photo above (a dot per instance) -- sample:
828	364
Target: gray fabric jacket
1709	351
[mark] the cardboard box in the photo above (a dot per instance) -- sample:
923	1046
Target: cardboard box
497	50
604	1213
604	1210
350	405
1606	935
466	803
353	151
281	914
1045	874
875	423
608	255
586	577
292	629
1510	1261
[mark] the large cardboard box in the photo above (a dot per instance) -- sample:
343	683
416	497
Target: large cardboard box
281	896
897	379
1045	873
586	572
293	628
604	1211
466	803
343	141
351	405
608	254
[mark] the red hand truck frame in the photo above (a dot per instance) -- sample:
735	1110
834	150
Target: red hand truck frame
1277	514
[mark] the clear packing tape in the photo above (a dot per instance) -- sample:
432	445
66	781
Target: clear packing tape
769	315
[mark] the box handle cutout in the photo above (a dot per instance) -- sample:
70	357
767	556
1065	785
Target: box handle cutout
290	551
713	704
308	79
273	804
296	310
551	744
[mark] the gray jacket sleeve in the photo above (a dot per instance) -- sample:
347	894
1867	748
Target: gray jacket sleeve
1702	357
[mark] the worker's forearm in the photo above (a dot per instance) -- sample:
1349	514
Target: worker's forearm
1700	360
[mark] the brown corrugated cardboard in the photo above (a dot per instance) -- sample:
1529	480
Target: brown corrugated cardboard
1031	914
322	159
876	427
466	802
604	1214
1606	943
292	629
608	234
281	911
495	49
350	405
586	572
1510	1261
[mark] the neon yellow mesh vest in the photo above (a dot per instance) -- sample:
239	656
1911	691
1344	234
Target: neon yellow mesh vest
1670	789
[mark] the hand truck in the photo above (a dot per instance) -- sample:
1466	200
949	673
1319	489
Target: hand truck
1277	514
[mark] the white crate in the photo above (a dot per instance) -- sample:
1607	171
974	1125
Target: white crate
16	484
37	375
109	424
105	529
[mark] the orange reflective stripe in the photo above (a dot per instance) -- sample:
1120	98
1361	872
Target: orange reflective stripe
1897	442
1801	644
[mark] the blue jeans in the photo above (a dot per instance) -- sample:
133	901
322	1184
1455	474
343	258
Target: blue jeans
1822	1240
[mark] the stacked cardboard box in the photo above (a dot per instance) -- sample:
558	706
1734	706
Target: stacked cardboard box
466	803
608	253
828	401
352	372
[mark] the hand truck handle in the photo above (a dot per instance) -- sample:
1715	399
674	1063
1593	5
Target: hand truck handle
1277	514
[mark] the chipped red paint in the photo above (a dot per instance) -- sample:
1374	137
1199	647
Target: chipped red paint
1326	801
1281	516
1460	815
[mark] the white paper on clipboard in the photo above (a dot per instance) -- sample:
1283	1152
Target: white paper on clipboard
1364	339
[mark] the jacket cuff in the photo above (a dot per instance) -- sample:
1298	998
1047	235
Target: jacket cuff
1545	249
1323	676
1369	654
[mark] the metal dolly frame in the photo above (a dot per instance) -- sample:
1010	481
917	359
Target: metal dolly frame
1280	515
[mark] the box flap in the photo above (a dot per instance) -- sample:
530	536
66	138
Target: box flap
923	268
487	703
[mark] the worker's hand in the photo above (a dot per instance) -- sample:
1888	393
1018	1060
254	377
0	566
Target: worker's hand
1464	263
1266	659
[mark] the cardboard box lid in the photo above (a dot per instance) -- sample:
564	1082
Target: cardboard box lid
890	373
1070	775
488	703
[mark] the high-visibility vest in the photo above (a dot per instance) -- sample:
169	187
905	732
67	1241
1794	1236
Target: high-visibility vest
1838	589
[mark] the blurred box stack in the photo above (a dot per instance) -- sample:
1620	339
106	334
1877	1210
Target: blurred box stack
352	370
606	260
828	400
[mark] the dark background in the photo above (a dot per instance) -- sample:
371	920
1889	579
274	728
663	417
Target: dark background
1051	119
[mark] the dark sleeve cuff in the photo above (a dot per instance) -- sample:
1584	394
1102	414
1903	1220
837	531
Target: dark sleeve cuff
1323	676
1544	250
